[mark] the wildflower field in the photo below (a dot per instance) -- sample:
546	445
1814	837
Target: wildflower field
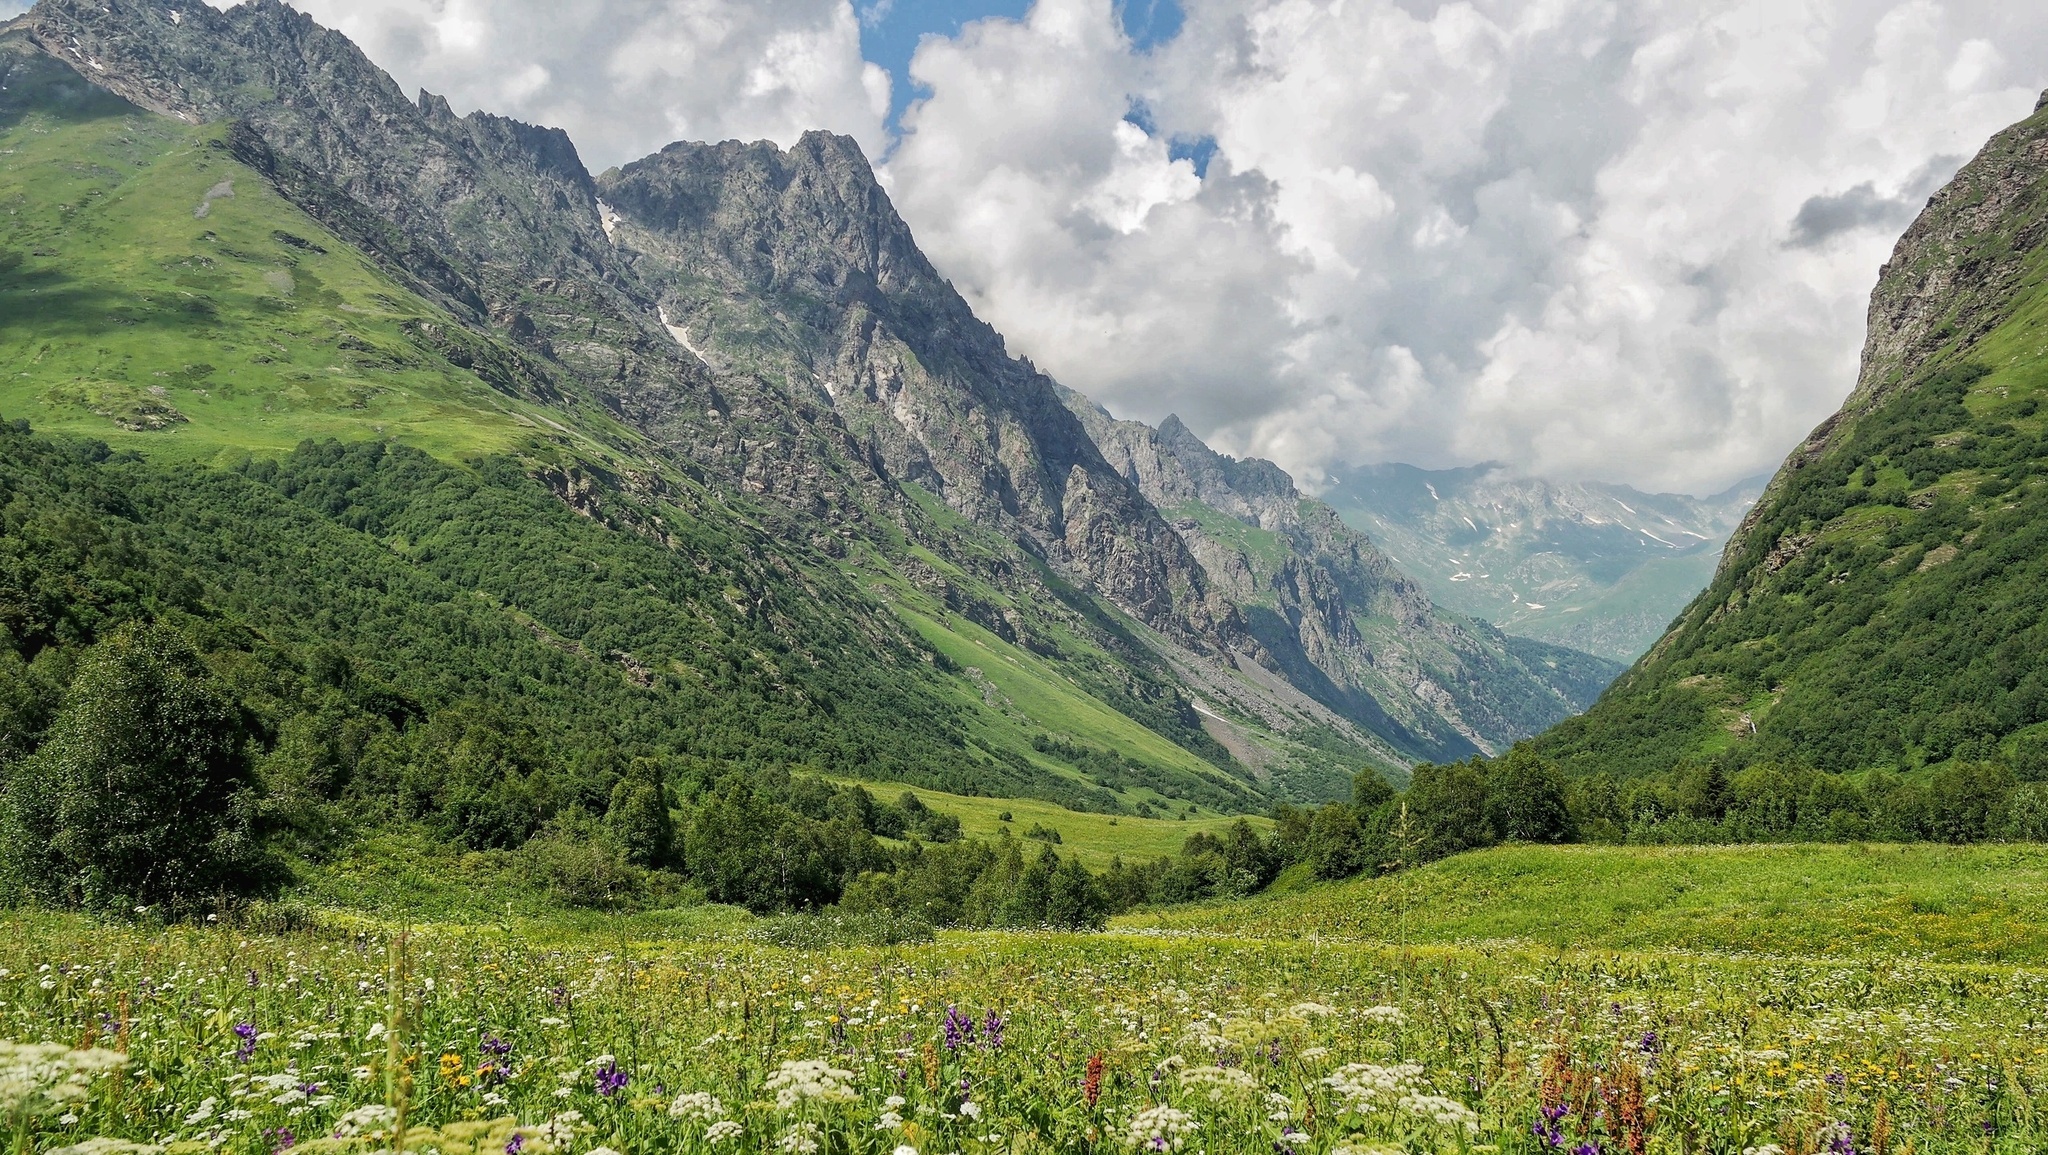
492	1039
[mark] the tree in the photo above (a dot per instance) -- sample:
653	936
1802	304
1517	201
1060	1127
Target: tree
1336	843
1074	899
1370	791
142	793
639	815
1525	799
1449	803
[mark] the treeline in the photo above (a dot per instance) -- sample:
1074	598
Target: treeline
1524	797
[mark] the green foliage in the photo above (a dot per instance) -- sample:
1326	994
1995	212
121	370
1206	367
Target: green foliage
142	791
1887	607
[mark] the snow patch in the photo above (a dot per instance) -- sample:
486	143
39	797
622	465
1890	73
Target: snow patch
681	335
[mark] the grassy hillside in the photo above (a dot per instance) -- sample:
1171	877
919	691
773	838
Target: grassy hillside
1094	838
1954	904
158	295
1887	606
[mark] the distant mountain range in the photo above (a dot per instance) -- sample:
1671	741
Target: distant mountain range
1599	568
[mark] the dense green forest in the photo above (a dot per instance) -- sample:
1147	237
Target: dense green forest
241	668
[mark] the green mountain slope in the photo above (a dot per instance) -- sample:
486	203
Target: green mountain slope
131	318
230	232
1883	604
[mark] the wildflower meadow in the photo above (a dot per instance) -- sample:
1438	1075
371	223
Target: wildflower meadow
480	1041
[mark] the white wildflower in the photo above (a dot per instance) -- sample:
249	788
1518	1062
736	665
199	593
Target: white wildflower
1367	1088
371	1119
1220	1084
970	1109
703	1106
722	1130
1384	1014
106	1146
798	1080
800	1139
203	1112
557	1131
1766	1149
601	1151
37	1078
1160	1128
904	1149
1310	1011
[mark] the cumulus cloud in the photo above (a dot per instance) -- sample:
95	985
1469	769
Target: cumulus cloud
1599	240
1629	241
626	77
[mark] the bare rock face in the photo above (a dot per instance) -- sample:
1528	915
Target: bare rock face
1332	612
794	266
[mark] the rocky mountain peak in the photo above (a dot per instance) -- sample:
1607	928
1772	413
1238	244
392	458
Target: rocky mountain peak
793	265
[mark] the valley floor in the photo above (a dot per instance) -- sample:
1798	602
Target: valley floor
1797	999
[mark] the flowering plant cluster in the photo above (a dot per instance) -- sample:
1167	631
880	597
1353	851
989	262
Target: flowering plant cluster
466	1043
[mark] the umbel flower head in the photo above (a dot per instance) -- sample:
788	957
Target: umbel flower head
40	1078
800	1081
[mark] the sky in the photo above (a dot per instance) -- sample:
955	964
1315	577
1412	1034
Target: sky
1600	240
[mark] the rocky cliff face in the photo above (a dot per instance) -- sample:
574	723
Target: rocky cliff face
1333	610
794	266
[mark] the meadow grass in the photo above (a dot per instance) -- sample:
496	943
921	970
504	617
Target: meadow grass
1093	838
1982	903
490	1039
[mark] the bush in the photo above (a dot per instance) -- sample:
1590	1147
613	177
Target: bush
142	794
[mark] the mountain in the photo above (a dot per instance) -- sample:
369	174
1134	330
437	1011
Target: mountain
1600	568
1885	603
1331	608
230	234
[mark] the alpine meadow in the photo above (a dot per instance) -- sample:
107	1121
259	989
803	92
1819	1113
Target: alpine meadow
496	658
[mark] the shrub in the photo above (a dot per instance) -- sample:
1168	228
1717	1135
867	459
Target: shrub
142	794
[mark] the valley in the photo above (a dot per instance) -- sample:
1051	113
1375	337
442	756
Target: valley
500	657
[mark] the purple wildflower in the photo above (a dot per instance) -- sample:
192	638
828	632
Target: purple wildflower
1842	1141
1650	1044
610	1080
1586	1149
493	1045
513	1144
992	1031
247	1033
958	1029
280	1138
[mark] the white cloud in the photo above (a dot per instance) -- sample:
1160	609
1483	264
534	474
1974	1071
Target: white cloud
1595	239
626	77
1624	240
